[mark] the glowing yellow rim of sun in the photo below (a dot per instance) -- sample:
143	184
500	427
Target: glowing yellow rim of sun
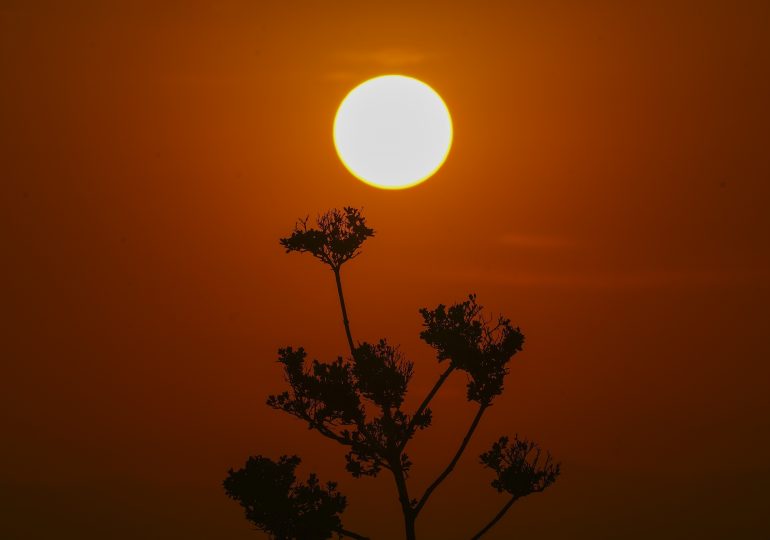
418	181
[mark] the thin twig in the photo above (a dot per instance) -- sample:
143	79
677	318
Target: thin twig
351	534
455	459
495	519
426	401
345	320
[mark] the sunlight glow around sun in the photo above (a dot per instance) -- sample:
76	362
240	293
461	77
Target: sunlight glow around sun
393	132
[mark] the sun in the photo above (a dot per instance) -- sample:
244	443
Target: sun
393	132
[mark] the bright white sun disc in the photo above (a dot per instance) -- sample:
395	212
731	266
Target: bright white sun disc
393	131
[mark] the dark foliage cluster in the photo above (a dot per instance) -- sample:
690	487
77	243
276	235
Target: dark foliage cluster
482	348
332	398
382	374
322	395
282	507
519	468
336	239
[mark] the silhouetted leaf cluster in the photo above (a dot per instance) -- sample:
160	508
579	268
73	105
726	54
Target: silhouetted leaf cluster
325	393
336	239
286	509
332	397
519	468
382	373
472	344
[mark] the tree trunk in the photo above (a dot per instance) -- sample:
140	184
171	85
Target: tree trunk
403	495
409	528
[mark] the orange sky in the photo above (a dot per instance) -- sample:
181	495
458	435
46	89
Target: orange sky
607	190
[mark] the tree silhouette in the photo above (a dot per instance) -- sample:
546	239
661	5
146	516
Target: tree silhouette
357	401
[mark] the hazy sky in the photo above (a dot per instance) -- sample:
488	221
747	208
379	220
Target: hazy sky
608	190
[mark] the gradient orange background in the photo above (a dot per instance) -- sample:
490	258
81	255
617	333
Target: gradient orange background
608	190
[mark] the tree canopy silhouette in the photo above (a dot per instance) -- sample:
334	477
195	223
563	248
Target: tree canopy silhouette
358	401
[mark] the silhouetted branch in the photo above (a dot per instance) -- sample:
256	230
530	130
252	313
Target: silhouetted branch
495	519
425	402
328	433
351	534
403	499
449	468
345	320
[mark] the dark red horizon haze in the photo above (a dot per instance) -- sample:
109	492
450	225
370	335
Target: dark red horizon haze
607	190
